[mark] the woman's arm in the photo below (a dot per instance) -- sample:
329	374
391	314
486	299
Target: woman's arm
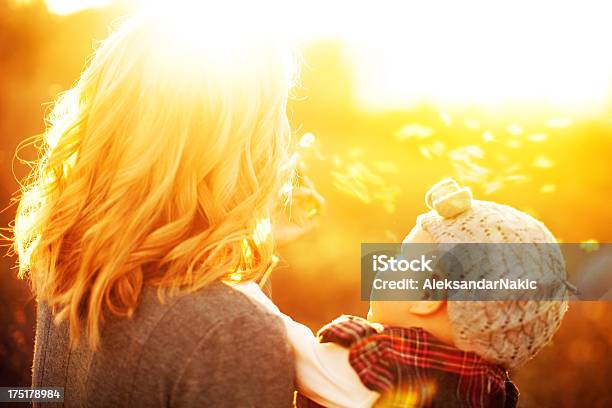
241	362
323	371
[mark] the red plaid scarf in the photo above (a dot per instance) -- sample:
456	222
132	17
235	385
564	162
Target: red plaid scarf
411	368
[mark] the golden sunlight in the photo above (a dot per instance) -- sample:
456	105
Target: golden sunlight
64	7
484	53
181	132
451	54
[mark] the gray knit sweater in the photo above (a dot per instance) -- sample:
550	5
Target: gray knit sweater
212	348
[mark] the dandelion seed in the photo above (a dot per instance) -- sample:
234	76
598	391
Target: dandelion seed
356	152
558	123
548	188
413	131
320	156
589	245
492	186
247	252
446	118
472	124
391	236
264	278
466	152
487	136
470	172
362	172
263	229
543	162
359	180
386	167
425	152
355	189
294	160
286	192
387	194
352	187
477	169
286	188
513	144
517	178
438	148
513	168
312	212
502	158
307	140
236	276
336	161
538	137
514	129
465	168
389	207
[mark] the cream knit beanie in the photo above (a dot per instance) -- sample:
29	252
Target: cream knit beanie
504	332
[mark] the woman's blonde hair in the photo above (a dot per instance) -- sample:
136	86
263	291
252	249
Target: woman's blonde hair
155	168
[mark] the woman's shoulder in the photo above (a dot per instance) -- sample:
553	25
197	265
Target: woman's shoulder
216	307
190	349
242	340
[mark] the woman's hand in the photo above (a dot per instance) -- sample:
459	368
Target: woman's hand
301	213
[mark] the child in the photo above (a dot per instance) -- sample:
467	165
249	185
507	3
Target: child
433	353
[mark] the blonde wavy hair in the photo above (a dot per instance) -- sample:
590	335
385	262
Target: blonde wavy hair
154	170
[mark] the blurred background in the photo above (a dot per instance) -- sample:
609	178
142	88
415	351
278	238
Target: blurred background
512	99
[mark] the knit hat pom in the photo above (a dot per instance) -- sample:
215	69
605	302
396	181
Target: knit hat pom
448	199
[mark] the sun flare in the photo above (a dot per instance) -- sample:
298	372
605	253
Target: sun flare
451	54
